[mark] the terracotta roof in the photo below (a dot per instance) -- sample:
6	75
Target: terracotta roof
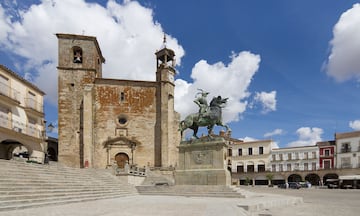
295	147
254	142
347	135
17	76
326	143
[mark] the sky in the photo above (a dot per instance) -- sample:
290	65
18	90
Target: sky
291	69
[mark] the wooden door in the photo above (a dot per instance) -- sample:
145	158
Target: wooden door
121	159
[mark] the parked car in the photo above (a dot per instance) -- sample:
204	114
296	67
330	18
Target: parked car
332	183
305	184
283	186
294	185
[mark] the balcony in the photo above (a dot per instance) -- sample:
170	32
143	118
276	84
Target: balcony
326	155
9	94
346	166
31	104
345	150
19	127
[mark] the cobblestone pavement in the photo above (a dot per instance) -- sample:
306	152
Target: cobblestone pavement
140	206
317	202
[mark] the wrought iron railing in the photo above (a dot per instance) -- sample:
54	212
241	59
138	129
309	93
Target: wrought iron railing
33	104
19	127
130	170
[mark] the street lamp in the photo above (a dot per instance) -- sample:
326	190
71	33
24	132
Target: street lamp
50	127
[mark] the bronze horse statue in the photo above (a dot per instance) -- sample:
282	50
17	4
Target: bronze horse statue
212	117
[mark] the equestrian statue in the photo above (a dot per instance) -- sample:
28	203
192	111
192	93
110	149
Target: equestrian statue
208	115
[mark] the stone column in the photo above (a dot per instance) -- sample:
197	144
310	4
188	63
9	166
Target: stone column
88	125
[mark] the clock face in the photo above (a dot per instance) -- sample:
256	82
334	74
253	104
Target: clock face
171	77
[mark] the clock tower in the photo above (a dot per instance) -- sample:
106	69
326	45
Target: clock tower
166	126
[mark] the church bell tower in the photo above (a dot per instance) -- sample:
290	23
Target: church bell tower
79	63
165	135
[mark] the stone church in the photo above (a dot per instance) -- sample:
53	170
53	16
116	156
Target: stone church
102	121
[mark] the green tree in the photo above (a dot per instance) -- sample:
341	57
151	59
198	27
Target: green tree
270	177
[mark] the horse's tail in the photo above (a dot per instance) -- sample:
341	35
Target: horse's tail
180	125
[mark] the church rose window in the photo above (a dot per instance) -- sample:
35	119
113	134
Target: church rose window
122	119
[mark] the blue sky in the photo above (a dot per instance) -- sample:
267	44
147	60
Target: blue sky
291	69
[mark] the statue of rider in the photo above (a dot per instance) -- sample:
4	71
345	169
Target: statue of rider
201	101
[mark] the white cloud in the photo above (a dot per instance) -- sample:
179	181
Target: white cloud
343	62
267	101
274	133
127	34
231	81
355	125
307	136
274	145
248	139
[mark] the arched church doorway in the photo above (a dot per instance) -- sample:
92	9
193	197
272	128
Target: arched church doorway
121	159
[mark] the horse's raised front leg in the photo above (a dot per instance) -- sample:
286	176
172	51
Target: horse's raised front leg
228	129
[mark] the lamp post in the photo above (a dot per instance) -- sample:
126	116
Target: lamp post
50	127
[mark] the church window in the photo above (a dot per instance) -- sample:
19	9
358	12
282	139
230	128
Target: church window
122	96
122	119
78	55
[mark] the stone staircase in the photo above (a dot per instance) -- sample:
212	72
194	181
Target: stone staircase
190	190
26	185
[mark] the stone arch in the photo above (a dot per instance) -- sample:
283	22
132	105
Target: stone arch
313	178
121	159
121	144
294	178
261	166
8	146
330	176
250	167
52	154
77	54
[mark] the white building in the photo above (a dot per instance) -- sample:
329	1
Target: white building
347	150
249	157
295	159
21	117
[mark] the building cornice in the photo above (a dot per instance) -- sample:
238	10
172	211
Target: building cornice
21	79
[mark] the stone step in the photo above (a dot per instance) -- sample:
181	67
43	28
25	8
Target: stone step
189	190
28	185
46	202
40	181
5	199
10	186
57	191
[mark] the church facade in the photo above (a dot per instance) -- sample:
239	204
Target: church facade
103	122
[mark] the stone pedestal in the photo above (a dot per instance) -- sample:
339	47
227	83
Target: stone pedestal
202	162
